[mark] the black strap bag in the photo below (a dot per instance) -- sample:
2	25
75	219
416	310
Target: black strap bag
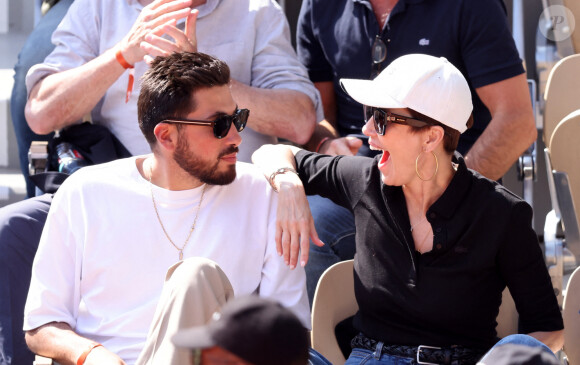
92	143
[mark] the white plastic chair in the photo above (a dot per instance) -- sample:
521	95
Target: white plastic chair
334	301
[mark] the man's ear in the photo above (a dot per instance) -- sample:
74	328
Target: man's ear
433	137
166	135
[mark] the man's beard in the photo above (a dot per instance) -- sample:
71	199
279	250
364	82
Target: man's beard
201	169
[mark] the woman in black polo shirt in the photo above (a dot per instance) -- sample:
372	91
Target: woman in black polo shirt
436	243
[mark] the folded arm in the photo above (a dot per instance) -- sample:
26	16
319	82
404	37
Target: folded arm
283	113
509	133
63	98
325	138
553	339
276	111
58	341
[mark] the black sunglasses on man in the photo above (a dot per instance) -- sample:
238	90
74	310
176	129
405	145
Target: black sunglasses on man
221	125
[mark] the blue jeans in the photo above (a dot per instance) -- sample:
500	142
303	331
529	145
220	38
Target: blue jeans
315	358
362	356
520	340
367	357
36	48
21	225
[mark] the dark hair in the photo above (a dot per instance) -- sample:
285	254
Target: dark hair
167	88
451	136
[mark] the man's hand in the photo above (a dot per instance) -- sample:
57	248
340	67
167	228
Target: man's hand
153	20
347	146
183	41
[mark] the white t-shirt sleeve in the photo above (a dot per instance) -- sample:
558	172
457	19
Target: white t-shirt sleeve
54	293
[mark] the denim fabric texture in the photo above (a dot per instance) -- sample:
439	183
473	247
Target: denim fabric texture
21	225
519	339
315	358
368	357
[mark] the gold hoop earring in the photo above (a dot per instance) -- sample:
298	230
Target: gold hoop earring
417	167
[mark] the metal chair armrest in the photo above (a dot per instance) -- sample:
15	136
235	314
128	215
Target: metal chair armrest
568	213
553	254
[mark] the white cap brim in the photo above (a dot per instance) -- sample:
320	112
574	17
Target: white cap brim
370	93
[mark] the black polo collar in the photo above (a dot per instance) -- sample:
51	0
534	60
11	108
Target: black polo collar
455	193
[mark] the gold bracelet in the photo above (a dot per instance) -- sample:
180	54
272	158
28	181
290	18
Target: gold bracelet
281	170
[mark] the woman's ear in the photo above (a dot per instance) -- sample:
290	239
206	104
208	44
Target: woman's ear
166	135
433	137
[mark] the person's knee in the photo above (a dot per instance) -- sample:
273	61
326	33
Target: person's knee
199	274
521	339
21	224
517	345
194	266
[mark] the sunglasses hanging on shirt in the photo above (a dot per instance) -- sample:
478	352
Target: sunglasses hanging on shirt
379	54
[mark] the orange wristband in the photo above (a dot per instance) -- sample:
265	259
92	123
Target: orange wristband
122	60
84	355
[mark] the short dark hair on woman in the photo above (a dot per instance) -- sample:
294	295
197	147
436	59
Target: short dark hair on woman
167	88
451	136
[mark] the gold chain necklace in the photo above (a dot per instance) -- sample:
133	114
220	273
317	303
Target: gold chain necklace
161	223
421	244
418	223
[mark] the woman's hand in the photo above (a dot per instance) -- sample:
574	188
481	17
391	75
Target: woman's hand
294	222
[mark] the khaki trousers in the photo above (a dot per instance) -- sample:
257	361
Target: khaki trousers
194	290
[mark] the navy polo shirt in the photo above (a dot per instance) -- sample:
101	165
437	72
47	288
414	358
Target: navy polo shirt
334	42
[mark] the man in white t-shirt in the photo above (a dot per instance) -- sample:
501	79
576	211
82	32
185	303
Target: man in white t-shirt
115	231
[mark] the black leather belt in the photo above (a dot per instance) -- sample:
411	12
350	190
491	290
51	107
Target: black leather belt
454	355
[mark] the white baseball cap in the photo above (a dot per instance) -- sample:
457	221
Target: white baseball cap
429	85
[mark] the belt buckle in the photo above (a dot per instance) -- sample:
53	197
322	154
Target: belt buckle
420	348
